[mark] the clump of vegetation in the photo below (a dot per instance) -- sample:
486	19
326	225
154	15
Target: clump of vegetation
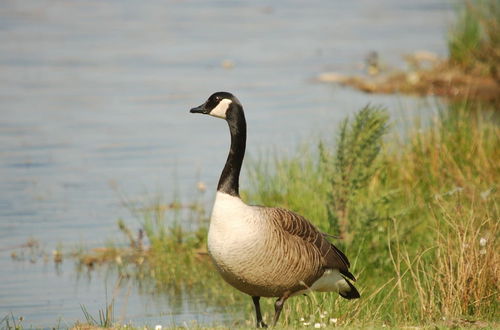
349	170
474	40
105	319
11	322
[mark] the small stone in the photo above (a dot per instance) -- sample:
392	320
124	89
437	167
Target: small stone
332	77
201	186
227	64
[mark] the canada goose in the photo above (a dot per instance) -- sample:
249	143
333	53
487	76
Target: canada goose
266	251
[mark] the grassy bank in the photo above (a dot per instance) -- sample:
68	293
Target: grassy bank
418	218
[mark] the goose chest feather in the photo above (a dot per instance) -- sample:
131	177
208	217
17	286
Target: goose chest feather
234	229
237	241
266	251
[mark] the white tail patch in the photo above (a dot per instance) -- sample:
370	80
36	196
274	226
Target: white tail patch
331	280
220	110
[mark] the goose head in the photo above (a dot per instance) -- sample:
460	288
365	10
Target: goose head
220	105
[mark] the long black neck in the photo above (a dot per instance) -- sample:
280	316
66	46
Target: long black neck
229	179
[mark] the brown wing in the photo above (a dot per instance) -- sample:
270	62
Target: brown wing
297	225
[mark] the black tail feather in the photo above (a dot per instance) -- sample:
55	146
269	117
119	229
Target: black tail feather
351	294
347	274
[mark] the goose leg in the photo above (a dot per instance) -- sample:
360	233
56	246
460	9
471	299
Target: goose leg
278	306
256	302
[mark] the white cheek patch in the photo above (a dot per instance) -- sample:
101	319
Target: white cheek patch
220	110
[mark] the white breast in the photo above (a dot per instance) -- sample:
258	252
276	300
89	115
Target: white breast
235	231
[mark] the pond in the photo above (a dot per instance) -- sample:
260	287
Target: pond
94	100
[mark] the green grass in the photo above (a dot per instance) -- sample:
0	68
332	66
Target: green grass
104	320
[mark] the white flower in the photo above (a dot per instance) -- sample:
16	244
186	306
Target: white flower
454	190
301	319
486	193
317	325
307	323
333	320
158	327
483	241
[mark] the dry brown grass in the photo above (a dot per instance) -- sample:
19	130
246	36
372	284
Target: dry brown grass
459	274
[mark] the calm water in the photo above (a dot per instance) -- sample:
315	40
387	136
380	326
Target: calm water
95	95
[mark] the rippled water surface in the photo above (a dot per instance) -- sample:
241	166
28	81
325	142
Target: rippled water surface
94	98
